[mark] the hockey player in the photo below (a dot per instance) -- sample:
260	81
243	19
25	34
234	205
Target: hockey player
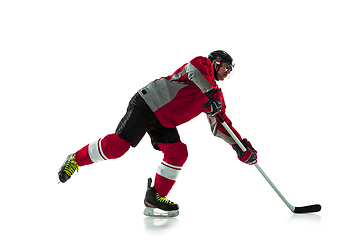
157	109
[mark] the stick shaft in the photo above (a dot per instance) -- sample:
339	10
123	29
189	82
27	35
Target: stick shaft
232	134
291	207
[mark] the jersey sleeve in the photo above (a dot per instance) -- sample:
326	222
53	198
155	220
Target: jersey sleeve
219	131
201	72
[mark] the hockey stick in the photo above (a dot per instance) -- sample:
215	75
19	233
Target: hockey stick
305	209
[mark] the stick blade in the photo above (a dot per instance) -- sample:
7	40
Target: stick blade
308	209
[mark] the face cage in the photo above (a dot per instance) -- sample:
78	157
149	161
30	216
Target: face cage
219	64
229	75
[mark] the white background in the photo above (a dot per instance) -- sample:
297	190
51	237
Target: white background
69	68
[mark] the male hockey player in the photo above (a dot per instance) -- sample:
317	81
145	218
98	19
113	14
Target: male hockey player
157	109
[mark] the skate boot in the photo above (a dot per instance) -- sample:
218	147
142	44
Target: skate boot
158	206
68	168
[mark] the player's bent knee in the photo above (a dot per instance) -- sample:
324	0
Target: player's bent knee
174	153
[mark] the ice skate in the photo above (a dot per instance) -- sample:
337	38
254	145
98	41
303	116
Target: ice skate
158	206
68	168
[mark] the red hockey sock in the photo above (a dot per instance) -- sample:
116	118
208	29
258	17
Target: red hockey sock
163	185
109	147
175	155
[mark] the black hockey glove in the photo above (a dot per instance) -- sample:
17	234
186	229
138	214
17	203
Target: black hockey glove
214	104
249	156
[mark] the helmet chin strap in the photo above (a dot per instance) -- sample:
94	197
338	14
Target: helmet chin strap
216	68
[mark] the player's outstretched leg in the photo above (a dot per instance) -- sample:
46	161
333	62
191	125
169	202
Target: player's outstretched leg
154	202
109	147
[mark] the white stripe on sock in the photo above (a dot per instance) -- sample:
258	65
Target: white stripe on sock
168	171
95	151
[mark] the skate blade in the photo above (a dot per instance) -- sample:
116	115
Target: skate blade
155	212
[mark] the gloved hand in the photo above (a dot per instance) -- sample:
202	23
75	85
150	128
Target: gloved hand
214	104
249	156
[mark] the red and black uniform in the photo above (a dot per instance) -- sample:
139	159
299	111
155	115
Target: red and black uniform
157	109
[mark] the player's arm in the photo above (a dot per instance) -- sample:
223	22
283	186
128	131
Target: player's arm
250	155
201	72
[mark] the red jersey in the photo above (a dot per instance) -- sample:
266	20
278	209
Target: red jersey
178	98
